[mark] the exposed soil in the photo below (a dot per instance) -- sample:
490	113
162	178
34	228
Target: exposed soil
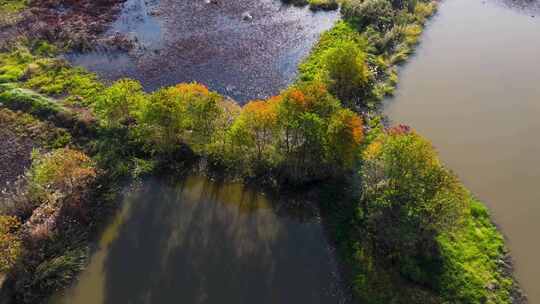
19	134
15	156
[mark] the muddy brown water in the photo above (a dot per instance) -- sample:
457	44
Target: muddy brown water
245	49
199	241
473	89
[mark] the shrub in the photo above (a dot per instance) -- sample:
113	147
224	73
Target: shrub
422	11
28	101
52	76
58	272
44	134
117	104
342	31
59	173
13	65
10	242
47	75
347	74
41	275
326	5
376	13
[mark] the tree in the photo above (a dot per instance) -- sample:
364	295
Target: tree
345	134
118	103
220	145
409	197
347	74
186	113
288	132
202	109
162	121
255	128
290	105
306	114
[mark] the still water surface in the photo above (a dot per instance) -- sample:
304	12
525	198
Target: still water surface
198	241
244	49
473	89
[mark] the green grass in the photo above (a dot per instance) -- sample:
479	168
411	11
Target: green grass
43	133
472	269
473	262
312	67
36	68
12	6
29	102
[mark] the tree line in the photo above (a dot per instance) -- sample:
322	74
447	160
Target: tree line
300	135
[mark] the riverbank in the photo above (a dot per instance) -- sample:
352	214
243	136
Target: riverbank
305	136
467	262
52	198
501	271
489	147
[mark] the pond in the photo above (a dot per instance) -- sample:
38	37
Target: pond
200	241
473	89
244	49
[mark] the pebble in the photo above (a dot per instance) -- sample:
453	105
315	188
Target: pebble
247	16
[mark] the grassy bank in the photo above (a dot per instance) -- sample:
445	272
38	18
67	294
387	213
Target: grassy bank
473	267
53	194
52	198
375	49
463	261
412	233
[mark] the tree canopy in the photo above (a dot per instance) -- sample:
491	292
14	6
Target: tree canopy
409	197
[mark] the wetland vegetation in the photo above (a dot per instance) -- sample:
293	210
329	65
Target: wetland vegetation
405	228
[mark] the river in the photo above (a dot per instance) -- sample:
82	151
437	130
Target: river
473	89
200	241
244	49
